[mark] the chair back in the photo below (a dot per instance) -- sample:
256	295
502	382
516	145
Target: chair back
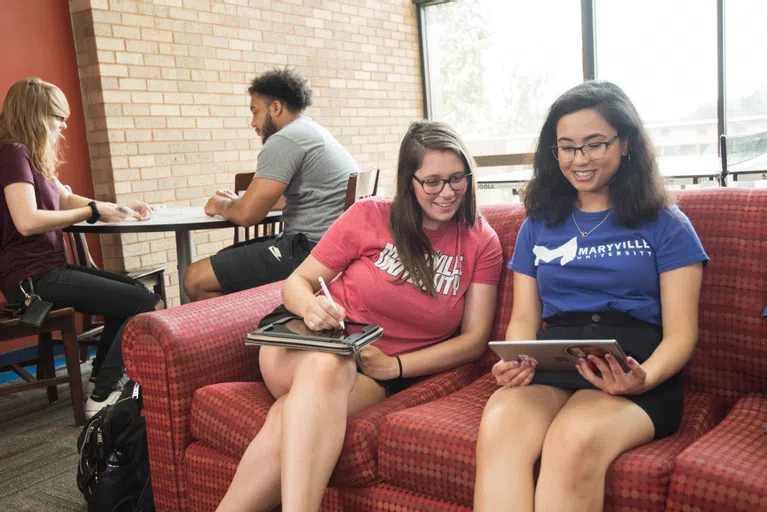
78	252
242	181
361	185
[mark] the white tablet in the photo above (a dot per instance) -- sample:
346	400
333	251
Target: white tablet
557	355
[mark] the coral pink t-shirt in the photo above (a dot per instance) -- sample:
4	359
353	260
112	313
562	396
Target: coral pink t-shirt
360	246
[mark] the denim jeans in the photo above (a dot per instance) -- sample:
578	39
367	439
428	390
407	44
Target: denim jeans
95	292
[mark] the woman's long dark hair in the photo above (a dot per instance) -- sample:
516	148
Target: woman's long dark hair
406	217
637	192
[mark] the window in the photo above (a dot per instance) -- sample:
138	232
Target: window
746	85
663	55
495	67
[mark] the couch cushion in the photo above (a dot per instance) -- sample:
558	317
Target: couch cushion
228	416
431	449
731	357
639	479
207	474
727	468
506	221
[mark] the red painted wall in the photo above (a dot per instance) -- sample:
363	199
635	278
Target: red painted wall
36	40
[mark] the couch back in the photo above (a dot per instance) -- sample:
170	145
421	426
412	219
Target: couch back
731	357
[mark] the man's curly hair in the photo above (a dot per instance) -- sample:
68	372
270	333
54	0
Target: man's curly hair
285	85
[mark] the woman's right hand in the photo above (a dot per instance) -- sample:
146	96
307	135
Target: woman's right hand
321	314
110	212
511	374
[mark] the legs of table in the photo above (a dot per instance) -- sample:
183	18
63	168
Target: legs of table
184	255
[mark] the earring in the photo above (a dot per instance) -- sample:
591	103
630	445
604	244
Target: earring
628	157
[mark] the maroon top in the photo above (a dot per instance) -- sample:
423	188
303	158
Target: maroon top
21	256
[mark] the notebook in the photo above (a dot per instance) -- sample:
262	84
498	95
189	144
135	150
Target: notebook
292	332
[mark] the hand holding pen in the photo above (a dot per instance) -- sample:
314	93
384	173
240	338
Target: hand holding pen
330	299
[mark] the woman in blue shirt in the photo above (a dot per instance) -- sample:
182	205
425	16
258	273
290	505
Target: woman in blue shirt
604	254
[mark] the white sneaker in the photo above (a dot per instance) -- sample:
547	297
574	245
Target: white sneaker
92	406
88	387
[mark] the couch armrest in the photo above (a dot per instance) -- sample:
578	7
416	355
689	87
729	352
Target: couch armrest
358	464
173	352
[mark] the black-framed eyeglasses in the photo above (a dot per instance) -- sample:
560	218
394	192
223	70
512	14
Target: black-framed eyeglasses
434	186
592	150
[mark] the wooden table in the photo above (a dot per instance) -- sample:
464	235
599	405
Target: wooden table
182	221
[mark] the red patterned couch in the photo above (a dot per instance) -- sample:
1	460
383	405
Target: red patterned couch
415	451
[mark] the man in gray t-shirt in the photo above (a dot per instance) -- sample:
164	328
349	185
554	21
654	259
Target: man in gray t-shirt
302	170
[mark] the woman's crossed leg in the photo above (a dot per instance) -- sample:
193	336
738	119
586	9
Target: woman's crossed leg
293	455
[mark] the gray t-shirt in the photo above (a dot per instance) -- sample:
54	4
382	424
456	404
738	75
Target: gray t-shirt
316	168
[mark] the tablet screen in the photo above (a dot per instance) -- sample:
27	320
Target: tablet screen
297	326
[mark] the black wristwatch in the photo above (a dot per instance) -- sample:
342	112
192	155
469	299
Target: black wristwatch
95	215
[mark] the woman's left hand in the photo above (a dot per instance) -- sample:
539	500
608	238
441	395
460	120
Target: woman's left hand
377	365
141	208
614	380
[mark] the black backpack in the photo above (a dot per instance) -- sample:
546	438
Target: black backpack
113	469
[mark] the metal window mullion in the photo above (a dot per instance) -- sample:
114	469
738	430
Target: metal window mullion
721	102
589	40
426	82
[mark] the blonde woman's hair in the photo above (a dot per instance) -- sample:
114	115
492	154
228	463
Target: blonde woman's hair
28	106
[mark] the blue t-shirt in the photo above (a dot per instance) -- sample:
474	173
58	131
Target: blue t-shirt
614	268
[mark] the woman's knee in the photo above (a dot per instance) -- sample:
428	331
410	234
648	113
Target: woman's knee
509	414
327	371
575	447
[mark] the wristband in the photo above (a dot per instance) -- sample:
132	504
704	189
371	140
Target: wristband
399	362
94	213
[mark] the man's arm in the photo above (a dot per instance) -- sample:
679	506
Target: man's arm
262	196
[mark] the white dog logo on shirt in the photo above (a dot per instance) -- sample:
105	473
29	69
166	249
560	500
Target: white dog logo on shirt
567	252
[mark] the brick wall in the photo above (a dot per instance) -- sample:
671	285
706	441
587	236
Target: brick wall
165	82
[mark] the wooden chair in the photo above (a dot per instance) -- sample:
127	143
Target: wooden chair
241	183
60	319
79	254
361	185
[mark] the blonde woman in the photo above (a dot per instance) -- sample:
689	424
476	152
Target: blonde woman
35	206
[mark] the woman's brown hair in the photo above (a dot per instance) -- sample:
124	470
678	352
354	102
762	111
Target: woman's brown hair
406	218
637	191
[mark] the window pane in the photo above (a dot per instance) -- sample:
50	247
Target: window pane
495	66
663	55
746	88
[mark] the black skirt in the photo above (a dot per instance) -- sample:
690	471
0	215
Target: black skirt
664	403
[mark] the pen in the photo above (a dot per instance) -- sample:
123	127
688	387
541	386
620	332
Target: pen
327	294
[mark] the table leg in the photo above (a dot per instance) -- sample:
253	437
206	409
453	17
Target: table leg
184	256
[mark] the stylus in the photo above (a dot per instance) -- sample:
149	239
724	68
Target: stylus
327	294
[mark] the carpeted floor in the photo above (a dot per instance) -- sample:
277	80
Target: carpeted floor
38	452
